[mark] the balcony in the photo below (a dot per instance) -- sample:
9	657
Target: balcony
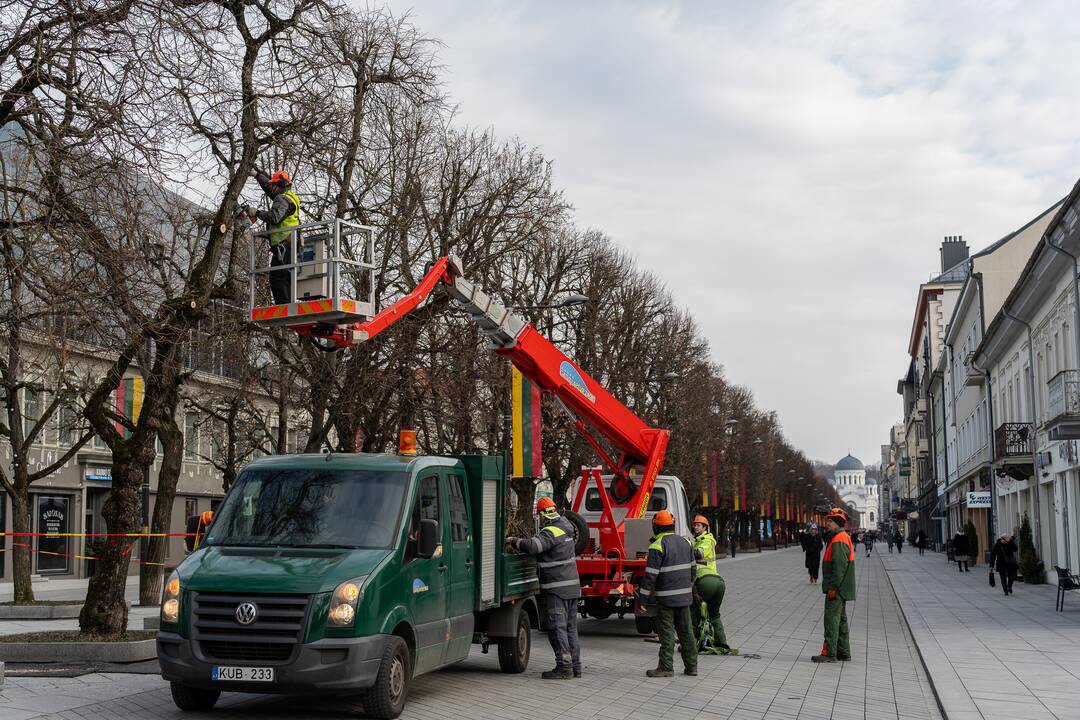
1063	406
1014	440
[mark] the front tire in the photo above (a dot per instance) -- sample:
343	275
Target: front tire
581	531
193	699
514	651
386	698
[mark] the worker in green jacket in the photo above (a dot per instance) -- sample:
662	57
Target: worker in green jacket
708	590
838	584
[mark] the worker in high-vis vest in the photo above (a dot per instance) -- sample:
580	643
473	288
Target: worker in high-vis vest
668	583
557	567
709	590
284	214
838	584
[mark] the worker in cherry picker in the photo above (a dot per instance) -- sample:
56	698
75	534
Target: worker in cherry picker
559	583
838	584
709	591
669	584
284	214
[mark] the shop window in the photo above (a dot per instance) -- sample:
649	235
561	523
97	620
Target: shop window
52	518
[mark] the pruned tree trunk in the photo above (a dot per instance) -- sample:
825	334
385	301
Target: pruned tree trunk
152	570
20	523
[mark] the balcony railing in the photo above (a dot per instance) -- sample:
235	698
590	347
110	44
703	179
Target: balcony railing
1014	440
1063	394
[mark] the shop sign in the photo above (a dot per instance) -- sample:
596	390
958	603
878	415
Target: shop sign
101	474
978	499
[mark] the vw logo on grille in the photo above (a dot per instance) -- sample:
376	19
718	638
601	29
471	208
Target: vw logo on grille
246	613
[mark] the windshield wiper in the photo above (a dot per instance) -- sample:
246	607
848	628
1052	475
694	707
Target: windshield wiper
326	546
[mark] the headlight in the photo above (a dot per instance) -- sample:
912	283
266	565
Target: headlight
170	600
343	604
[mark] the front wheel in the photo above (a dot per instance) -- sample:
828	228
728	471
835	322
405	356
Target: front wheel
386	698
514	651
193	699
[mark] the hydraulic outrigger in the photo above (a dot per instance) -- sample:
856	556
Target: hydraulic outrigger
606	572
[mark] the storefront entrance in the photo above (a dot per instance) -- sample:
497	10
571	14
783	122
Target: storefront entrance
52	516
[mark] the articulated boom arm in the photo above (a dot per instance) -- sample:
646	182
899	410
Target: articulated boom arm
539	360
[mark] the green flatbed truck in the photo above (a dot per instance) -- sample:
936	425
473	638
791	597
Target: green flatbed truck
347	573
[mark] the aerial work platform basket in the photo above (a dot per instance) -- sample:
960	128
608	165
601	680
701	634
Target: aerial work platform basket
330	270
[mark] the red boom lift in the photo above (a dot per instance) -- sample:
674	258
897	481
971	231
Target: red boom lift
606	571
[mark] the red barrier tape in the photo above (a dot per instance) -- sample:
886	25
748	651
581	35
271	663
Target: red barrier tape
84	557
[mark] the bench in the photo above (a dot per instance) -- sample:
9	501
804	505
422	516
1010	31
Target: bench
1067	582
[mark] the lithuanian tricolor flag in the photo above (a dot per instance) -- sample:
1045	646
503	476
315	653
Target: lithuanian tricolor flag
129	400
526	428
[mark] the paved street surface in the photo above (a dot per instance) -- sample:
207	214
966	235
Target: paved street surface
990	656
770	611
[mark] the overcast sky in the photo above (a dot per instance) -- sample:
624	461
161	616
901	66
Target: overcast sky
788	169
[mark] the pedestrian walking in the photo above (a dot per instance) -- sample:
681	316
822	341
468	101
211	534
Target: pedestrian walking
812	545
889	540
1004	557
960	551
838	584
668	582
709	588
559	586
284	215
899	540
920	541
734	538
868	540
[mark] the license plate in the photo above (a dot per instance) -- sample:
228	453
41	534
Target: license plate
229	673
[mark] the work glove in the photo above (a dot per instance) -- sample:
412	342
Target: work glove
253	173
250	211
831	593
512	542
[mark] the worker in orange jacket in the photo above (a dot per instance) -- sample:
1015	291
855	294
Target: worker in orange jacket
838	584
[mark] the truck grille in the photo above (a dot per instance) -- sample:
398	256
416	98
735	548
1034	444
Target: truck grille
277	629
267	652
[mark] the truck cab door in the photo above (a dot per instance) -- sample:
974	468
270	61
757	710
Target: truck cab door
463	581
427	577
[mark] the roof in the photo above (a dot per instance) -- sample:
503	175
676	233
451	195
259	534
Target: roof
850	462
348	461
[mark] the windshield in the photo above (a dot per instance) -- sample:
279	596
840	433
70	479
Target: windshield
657	502
311	508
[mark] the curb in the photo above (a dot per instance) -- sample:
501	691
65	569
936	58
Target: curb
907	625
43	612
114	652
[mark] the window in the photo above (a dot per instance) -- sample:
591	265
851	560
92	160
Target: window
217	441
191	436
459	512
69	429
290	442
33	402
657	502
191	507
428	506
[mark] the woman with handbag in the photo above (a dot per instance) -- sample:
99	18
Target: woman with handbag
1004	557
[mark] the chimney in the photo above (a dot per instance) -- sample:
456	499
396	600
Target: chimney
953	251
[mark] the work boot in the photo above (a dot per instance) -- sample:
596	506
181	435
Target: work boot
577	672
823	659
843	658
557	674
658	673
692	672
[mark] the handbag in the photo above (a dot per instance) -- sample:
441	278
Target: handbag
992	582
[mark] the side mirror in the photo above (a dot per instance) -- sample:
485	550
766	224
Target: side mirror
428	541
196	527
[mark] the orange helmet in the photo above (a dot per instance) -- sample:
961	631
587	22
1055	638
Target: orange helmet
700	519
837	514
544	503
281	176
663	519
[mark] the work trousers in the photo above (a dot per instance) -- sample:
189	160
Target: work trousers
562	631
836	629
711	589
281	280
672	622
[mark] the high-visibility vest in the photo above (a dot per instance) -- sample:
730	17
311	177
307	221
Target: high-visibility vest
289	221
557	565
670	563
844	539
706	544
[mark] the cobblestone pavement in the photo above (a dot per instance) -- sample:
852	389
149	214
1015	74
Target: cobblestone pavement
769	611
990	656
